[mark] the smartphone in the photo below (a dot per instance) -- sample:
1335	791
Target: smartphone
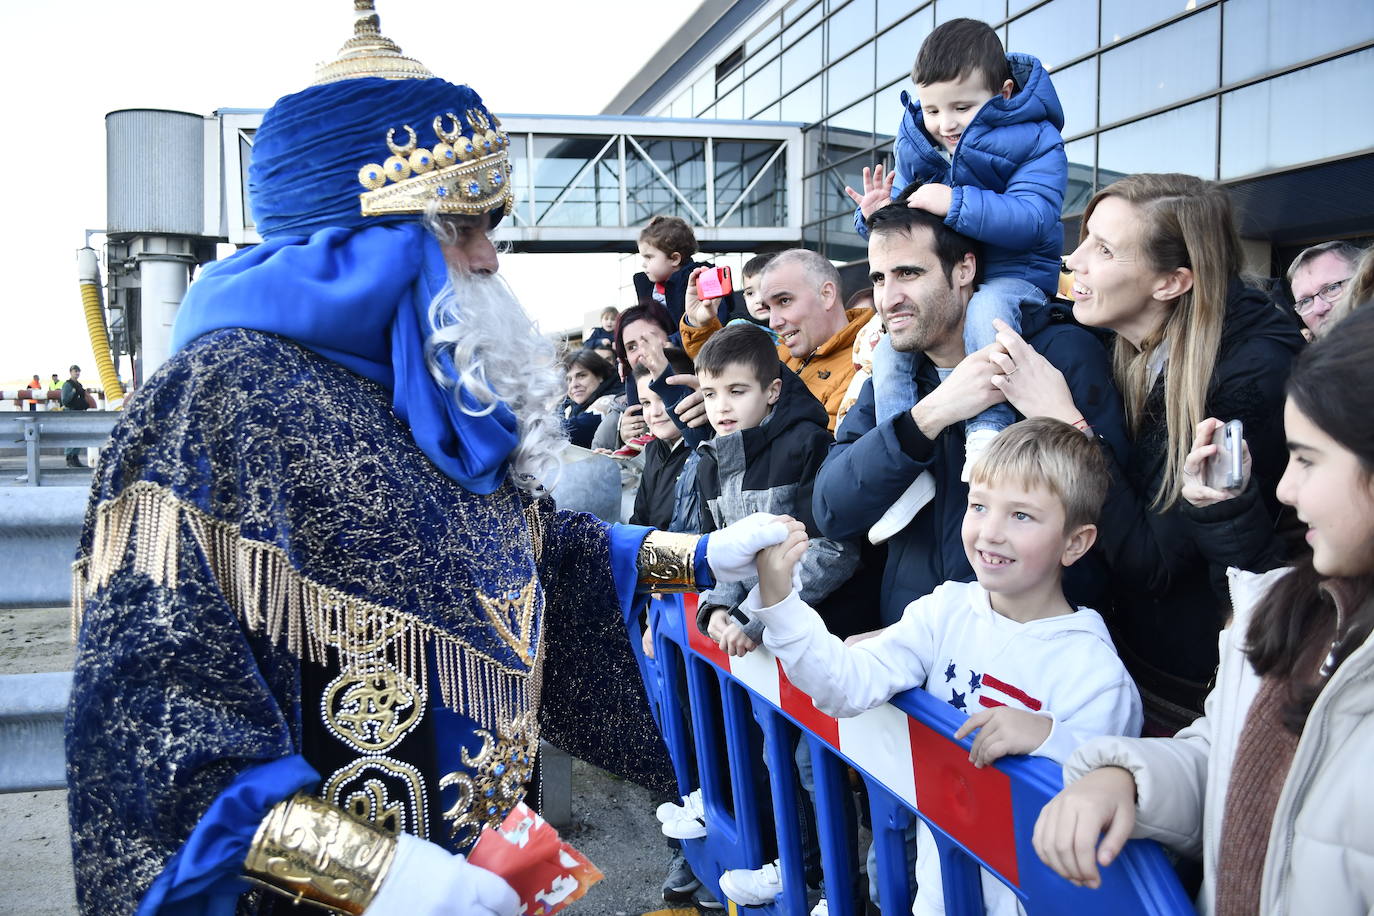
1225	470
713	283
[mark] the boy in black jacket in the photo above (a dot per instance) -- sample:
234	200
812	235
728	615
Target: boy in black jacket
666	245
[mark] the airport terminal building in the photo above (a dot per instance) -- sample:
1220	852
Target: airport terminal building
1270	97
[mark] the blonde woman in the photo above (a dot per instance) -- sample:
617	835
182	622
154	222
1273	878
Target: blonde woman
1159	264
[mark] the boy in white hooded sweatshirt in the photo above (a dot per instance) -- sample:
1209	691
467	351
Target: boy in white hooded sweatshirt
1036	675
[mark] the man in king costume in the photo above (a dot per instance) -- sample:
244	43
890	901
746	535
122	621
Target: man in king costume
323	610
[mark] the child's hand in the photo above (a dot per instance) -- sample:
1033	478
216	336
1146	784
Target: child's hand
932	198
700	312
1003	731
728	635
1066	833
777	563
877	191
648	642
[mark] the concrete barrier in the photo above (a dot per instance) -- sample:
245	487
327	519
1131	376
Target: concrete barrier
32	708
39	529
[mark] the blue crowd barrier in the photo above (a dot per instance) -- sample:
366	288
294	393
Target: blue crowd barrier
912	768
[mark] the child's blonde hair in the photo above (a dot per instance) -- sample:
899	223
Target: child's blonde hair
1052	455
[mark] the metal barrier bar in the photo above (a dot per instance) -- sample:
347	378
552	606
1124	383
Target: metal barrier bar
32	708
59	429
980	818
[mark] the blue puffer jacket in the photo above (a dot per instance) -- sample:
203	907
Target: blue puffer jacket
1008	174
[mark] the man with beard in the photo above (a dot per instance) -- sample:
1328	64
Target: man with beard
324	610
923	275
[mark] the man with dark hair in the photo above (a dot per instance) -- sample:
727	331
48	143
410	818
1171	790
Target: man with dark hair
923	277
74	397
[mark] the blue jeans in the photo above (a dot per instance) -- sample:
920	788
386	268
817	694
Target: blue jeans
894	382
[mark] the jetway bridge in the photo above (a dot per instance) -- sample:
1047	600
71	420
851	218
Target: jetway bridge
589	183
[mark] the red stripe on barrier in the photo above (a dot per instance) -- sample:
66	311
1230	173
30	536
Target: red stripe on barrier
799	706
973	806
699	640
1016	692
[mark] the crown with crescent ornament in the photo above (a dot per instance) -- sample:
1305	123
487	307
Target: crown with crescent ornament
466	170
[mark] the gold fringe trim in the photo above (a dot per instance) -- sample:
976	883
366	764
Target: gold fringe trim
269	595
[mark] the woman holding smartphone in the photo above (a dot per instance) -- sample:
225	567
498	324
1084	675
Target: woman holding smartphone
1159	264
1265	786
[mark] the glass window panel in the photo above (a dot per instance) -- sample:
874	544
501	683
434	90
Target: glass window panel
732	105
709	112
1162	67
730	80
990	11
595	201
737	164
1077	89
771	113
1081	155
1256	134
1056	32
803	59
1264	35
849	26
795	28
839	240
889	11
1125	17
765	57
684	164
898	45
805	104
764	35
704	92
889	111
761	88
851	78
1182	140
1016	6
856	120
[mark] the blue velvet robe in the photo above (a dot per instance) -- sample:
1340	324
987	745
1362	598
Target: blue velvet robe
271	568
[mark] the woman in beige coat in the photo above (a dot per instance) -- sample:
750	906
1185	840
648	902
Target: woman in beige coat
1268	785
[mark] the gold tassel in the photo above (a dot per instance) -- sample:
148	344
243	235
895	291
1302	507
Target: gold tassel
271	596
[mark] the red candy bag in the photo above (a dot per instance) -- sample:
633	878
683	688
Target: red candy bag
545	872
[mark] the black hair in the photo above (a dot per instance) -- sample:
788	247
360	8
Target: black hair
742	344
950	246
1332	384
647	310
590	360
959	48
755	265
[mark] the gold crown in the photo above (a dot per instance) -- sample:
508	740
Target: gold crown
370	53
461	174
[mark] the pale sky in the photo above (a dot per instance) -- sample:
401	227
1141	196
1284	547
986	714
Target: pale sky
71	62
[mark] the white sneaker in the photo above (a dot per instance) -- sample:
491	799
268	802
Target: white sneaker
669	811
975	445
899	514
691	824
821	908
752	886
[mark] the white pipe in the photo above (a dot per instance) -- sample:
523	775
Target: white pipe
163	280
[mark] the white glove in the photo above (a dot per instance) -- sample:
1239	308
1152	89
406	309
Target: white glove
730	551
426	880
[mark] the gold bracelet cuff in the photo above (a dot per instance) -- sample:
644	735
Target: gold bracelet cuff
667	561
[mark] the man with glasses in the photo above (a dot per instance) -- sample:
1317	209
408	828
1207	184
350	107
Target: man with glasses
1317	278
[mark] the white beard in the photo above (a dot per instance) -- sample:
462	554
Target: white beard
501	358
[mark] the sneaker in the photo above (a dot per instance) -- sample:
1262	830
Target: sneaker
900	513
634	446
680	882
752	886
691	823
975	444
705	900
670	811
821	908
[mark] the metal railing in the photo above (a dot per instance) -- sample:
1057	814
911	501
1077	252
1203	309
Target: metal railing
981	819
55	429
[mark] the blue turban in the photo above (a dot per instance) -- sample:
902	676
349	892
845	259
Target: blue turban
353	289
